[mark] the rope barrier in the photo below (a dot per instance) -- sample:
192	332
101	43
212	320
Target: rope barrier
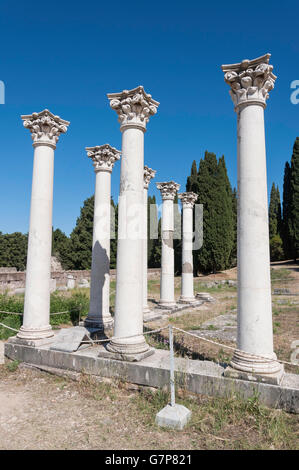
19	313
158	330
230	347
9	328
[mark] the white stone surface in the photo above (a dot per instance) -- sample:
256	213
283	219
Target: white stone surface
70	283
103	158
45	129
250	82
168	191
149	173
175	417
187	290
134	108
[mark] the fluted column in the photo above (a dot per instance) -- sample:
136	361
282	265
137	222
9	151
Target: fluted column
45	130
149	173
168	191
187	290
134	108
250	82
103	158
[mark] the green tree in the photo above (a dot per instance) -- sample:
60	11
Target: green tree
61	248
13	250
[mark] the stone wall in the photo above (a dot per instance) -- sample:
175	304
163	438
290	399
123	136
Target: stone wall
14	281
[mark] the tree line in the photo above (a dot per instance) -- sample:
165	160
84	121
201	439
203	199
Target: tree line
209	180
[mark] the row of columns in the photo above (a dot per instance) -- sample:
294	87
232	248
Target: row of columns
250	82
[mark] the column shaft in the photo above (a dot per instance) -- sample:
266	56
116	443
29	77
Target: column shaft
254	285
145	264
38	272
128	318
99	315
167	257
187	292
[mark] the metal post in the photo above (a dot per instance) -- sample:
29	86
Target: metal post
171	354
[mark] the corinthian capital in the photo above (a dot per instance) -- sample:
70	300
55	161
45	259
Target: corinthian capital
103	157
45	128
149	173
188	199
168	189
250	80
134	107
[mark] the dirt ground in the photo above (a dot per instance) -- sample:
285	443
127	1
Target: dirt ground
43	411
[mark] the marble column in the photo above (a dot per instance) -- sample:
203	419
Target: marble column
250	82
45	130
149	173
187	291
134	108
103	157
168	191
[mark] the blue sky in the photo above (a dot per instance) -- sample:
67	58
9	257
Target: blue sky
65	56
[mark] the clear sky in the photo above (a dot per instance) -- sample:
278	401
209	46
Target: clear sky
66	55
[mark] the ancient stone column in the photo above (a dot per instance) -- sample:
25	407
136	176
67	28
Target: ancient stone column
103	157
168	191
148	175
250	81
134	108
45	130
187	291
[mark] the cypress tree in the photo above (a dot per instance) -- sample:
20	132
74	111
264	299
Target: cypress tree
192	180
113	229
233	256
215	193
286	238
276	250
294	201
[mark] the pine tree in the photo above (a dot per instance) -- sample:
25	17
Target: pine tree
81	236
294	201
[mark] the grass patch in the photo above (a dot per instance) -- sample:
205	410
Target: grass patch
280	274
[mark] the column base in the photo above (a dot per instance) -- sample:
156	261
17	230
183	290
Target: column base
34	334
99	323
187	300
146	309
247	366
167	304
131	357
128	347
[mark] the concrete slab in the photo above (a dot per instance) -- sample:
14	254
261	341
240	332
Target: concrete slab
175	417
202	377
70	339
